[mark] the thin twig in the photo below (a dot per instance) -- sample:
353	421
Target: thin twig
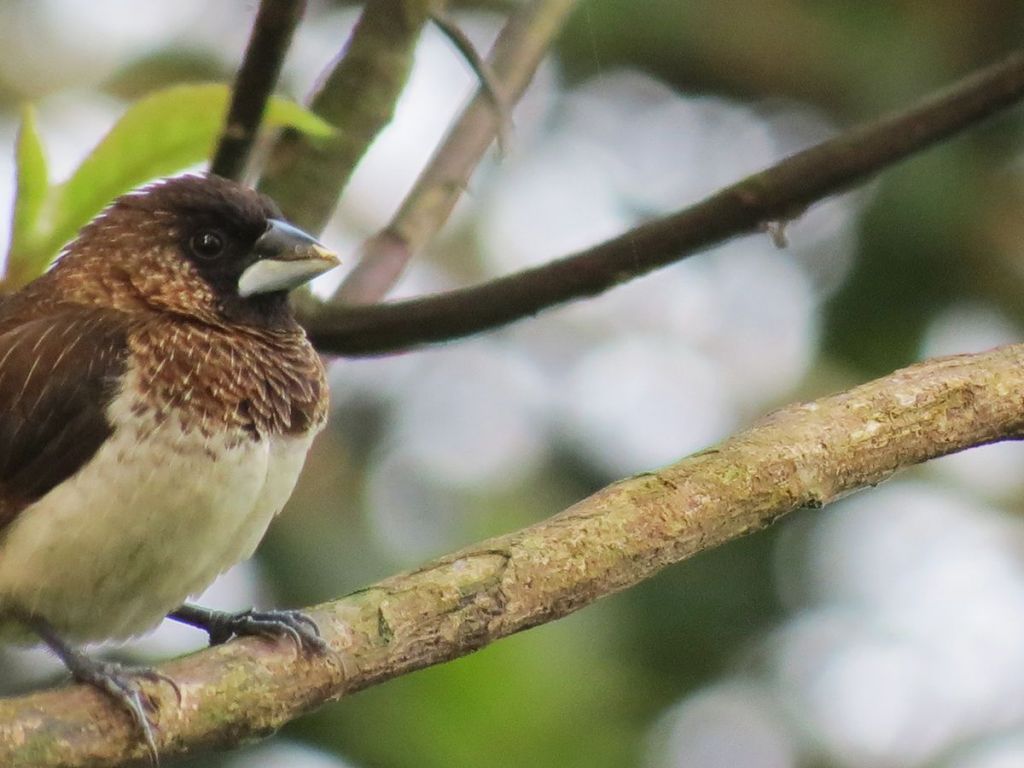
781	192
482	69
358	98
517	53
271	36
805	455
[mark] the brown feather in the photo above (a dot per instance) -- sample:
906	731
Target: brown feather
125	295
56	376
264	381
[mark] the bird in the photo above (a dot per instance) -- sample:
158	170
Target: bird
157	401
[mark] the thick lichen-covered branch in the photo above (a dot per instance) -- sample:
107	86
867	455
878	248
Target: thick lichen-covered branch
805	455
781	192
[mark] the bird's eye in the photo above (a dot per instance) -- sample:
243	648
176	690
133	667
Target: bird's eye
207	244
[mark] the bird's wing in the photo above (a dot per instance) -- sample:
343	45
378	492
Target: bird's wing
57	375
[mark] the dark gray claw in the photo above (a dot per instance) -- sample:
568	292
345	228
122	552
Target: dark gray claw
118	682
221	626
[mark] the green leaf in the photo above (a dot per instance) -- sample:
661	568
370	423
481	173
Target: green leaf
30	194
283	113
159	135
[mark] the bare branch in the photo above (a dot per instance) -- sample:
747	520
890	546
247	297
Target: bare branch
358	97
780	192
517	53
271	35
481	68
805	455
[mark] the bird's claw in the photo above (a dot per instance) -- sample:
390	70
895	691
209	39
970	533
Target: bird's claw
296	625
156	676
120	684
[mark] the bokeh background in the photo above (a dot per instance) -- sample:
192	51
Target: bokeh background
887	630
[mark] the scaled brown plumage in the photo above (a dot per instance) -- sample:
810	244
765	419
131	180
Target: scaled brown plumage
122	291
157	399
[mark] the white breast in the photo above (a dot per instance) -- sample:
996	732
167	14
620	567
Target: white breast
151	519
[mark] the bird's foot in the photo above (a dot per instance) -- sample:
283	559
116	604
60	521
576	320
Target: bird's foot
221	626
119	683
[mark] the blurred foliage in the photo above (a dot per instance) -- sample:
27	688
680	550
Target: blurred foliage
854	61
164	68
503	703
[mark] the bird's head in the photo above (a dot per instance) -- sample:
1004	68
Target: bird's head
197	246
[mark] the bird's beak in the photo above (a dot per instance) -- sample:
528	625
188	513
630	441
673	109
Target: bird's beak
286	257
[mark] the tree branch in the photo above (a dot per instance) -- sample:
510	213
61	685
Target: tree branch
780	192
358	97
517	53
805	455
480	67
271	36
